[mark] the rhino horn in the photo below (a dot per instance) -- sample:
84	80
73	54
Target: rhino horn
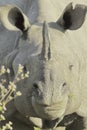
46	51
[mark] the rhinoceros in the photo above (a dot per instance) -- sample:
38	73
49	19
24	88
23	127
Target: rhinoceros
54	51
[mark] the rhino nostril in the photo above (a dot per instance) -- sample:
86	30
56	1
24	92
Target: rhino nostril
36	89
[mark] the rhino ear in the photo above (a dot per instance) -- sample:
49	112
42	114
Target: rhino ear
13	18
72	18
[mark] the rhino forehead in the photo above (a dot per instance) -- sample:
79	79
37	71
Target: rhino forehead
58	39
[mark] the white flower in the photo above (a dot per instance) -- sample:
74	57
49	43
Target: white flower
4	107
2	118
3	70
8	71
20	69
22	76
10	122
12	86
18	93
27	74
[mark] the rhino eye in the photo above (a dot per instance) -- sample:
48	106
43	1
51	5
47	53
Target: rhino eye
36	89
64	84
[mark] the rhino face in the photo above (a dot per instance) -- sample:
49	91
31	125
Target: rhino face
43	51
49	93
49	89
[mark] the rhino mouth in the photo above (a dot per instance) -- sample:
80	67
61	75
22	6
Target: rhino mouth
49	112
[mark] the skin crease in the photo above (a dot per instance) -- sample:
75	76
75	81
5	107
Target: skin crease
51	75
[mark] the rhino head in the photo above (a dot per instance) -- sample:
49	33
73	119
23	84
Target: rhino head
43	49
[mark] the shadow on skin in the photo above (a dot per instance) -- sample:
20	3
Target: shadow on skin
71	122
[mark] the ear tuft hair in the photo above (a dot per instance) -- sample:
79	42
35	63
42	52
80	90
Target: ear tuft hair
16	18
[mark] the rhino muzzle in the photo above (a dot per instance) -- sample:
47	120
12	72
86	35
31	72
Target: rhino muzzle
52	112
44	103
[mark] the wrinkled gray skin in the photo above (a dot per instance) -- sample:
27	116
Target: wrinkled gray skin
55	56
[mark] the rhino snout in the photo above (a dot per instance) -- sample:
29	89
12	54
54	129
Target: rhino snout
41	94
43	103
